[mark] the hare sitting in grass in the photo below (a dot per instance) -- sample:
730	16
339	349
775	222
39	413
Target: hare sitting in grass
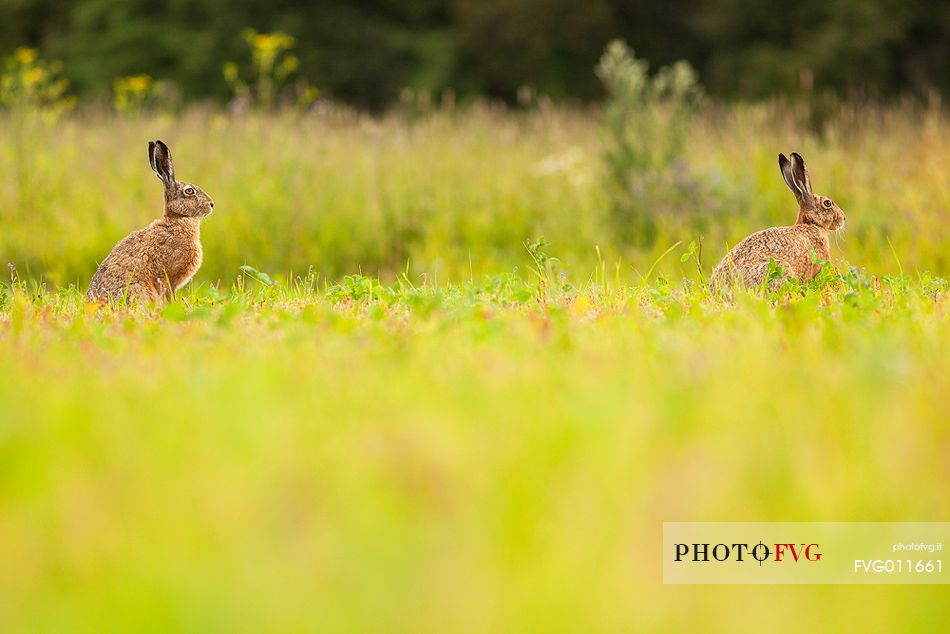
150	264
797	249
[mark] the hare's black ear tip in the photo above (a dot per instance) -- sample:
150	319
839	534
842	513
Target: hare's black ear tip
781	159
797	157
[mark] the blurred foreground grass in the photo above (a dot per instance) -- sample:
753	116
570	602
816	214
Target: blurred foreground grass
490	456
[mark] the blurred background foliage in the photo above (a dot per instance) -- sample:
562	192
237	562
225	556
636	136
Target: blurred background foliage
366	53
456	193
375	137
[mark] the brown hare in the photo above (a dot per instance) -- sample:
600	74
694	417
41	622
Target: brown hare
796	248
150	264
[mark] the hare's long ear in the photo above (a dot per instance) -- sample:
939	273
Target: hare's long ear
785	165
161	160
800	172
151	156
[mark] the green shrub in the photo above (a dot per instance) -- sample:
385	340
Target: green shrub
647	120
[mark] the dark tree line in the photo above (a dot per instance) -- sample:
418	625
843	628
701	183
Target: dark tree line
365	52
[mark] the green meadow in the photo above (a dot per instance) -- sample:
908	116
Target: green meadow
451	195
384	405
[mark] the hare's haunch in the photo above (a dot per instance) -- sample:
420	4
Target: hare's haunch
152	263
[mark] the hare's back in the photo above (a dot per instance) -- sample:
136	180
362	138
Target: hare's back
783	244
790	247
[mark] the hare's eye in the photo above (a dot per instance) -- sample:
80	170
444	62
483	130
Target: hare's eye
189	191
828	203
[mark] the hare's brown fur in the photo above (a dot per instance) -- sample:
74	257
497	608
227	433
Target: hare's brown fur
150	264
797	248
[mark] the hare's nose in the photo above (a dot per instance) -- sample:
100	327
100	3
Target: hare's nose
212	204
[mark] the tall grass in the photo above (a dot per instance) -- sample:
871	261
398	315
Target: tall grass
452	194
